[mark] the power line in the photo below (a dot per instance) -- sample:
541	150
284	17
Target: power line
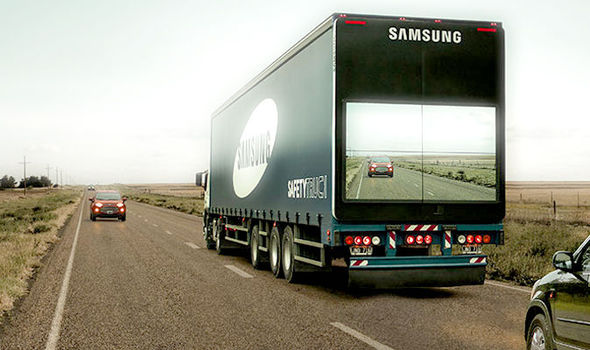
24	163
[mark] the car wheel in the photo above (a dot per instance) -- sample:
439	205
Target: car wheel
92	217
288	256
369	175
539	334
123	218
256	257
274	252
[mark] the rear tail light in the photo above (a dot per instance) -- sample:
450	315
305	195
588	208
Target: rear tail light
410	240
367	240
376	240
428	239
487	239
349	240
358	240
419	239
470	239
478	239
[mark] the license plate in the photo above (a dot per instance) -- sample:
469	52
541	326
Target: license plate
356	250
471	248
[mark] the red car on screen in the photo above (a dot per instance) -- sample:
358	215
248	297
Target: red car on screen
108	204
380	166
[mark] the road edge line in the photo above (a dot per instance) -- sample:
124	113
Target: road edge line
53	337
507	287
360	336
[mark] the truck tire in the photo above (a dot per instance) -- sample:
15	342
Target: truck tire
539	334
274	252
288	256
256	257
219	238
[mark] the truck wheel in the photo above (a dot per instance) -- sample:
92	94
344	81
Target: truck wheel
274	252
255	252
539	334
288	256
219	237
208	236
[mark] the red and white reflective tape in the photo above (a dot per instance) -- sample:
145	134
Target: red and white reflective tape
447	239
391	240
479	260
421	228
359	263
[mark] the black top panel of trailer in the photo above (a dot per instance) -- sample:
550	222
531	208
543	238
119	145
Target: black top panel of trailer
430	163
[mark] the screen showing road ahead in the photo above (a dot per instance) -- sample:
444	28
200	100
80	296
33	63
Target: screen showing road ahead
398	152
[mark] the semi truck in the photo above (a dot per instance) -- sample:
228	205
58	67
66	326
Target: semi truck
290	174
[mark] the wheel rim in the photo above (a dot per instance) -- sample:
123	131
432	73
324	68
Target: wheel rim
287	255
274	254
254	247
538	339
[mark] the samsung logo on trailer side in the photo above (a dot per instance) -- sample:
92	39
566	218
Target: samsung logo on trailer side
425	35
255	148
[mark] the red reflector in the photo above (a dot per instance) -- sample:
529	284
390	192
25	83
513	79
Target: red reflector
402	18
419	239
367	240
362	23
410	240
469	239
437	21
478	239
493	30
349	240
328	232
358	240
487	239
342	15
428	239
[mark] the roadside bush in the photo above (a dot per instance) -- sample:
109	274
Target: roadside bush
39	228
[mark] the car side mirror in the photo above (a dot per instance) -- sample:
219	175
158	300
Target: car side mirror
91	199
564	261
124	199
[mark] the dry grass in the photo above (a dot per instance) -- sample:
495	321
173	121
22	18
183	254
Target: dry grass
185	198
28	226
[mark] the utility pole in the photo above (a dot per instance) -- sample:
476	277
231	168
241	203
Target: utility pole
56	177
48	178
61	172
24	163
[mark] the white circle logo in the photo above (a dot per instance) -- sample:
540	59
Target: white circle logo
255	148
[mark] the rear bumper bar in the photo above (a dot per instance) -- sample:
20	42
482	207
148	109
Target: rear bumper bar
434	271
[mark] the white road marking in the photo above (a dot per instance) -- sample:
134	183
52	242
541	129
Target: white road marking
145	220
238	271
191	244
61	301
155	225
430	193
168	232
416	185
509	287
358	192
360	336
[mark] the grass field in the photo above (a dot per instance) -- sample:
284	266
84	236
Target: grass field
28	226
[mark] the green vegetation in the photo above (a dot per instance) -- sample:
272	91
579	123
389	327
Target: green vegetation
472	171
353	166
189	205
28	225
526	255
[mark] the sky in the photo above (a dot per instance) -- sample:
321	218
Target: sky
122	91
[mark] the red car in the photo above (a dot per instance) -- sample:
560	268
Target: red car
108	204
380	166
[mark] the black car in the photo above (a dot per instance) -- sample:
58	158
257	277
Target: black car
558	316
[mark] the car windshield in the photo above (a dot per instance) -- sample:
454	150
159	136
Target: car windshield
108	196
381	160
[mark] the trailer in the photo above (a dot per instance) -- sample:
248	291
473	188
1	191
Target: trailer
375	143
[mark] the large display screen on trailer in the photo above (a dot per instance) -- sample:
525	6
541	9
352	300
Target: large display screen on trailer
418	152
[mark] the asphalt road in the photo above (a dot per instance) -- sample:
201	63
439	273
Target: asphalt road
149	283
407	185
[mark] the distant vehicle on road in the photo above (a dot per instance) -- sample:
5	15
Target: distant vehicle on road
108	204
380	166
90	188
558	315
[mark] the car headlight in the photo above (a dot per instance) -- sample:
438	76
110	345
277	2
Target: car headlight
98	205
533	291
